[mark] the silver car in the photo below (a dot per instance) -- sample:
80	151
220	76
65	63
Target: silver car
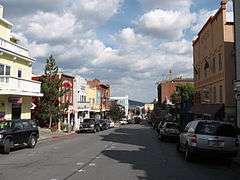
209	137
168	130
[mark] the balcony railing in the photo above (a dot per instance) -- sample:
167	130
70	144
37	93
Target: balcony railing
14	48
14	86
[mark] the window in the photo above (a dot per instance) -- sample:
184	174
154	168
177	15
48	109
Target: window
214	94
5	70
1	69
214	66
19	73
221	93
220	62
205	73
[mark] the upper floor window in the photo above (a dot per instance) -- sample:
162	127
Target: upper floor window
220	62
19	73
214	66
214	94
5	70
221	94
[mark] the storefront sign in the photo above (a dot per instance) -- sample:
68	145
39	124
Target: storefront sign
15	100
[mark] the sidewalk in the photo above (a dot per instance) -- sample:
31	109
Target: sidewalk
47	134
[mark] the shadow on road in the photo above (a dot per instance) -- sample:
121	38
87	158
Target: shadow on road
160	160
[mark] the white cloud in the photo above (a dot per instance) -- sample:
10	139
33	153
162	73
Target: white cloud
166	24
166	4
46	26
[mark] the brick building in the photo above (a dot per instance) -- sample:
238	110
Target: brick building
214	66
168	87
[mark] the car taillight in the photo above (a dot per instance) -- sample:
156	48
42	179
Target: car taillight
237	142
194	139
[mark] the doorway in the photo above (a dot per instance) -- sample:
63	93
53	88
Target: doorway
16	111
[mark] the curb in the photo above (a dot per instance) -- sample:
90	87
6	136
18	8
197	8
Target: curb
56	137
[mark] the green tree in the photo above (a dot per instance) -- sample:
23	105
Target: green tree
116	112
184	93
49	108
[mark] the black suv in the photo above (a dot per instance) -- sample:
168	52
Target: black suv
91	125
18	132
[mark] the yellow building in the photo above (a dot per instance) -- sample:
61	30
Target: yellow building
16	86
91	95
148	107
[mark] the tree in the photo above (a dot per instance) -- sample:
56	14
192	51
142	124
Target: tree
184	93
116	112
49	109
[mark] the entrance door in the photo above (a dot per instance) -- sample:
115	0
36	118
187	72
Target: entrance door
16	111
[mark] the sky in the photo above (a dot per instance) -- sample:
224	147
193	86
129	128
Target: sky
129	44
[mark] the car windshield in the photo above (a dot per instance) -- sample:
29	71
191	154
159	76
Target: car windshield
216	129
171	126
88	120
5	125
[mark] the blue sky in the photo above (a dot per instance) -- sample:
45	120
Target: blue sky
130	44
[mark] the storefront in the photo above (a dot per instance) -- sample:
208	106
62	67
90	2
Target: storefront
14	107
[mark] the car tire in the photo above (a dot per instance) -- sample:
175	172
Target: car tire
188	155
7	146
32	141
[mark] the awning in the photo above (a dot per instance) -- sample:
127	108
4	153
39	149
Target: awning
207	109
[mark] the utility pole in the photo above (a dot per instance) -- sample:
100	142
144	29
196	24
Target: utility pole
236	8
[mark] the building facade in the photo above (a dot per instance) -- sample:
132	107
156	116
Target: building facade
67	98
168	87
98	95
214	66
237	50
81	105
16	86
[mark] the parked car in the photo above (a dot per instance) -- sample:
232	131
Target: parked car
209	138
123	121
130	121
103	124
137	120
89	125
168	130
110	123
18	132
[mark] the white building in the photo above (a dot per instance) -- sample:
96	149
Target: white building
81	106
123	101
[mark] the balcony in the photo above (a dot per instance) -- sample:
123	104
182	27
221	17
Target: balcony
15	49
14	86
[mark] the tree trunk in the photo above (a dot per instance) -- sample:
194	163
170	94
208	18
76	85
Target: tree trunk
50	121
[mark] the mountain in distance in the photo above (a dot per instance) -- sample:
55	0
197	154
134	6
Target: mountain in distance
133	103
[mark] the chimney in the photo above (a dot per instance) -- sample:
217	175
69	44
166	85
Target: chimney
224	4
1	11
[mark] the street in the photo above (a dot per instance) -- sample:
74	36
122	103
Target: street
129	152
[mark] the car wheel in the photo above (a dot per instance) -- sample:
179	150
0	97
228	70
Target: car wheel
188	155
7	146
32	141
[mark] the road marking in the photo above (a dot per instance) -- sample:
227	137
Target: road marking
80	164
81	170
92	164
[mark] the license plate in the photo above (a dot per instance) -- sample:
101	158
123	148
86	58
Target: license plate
216	143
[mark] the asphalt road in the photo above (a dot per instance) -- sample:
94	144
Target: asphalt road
131	152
